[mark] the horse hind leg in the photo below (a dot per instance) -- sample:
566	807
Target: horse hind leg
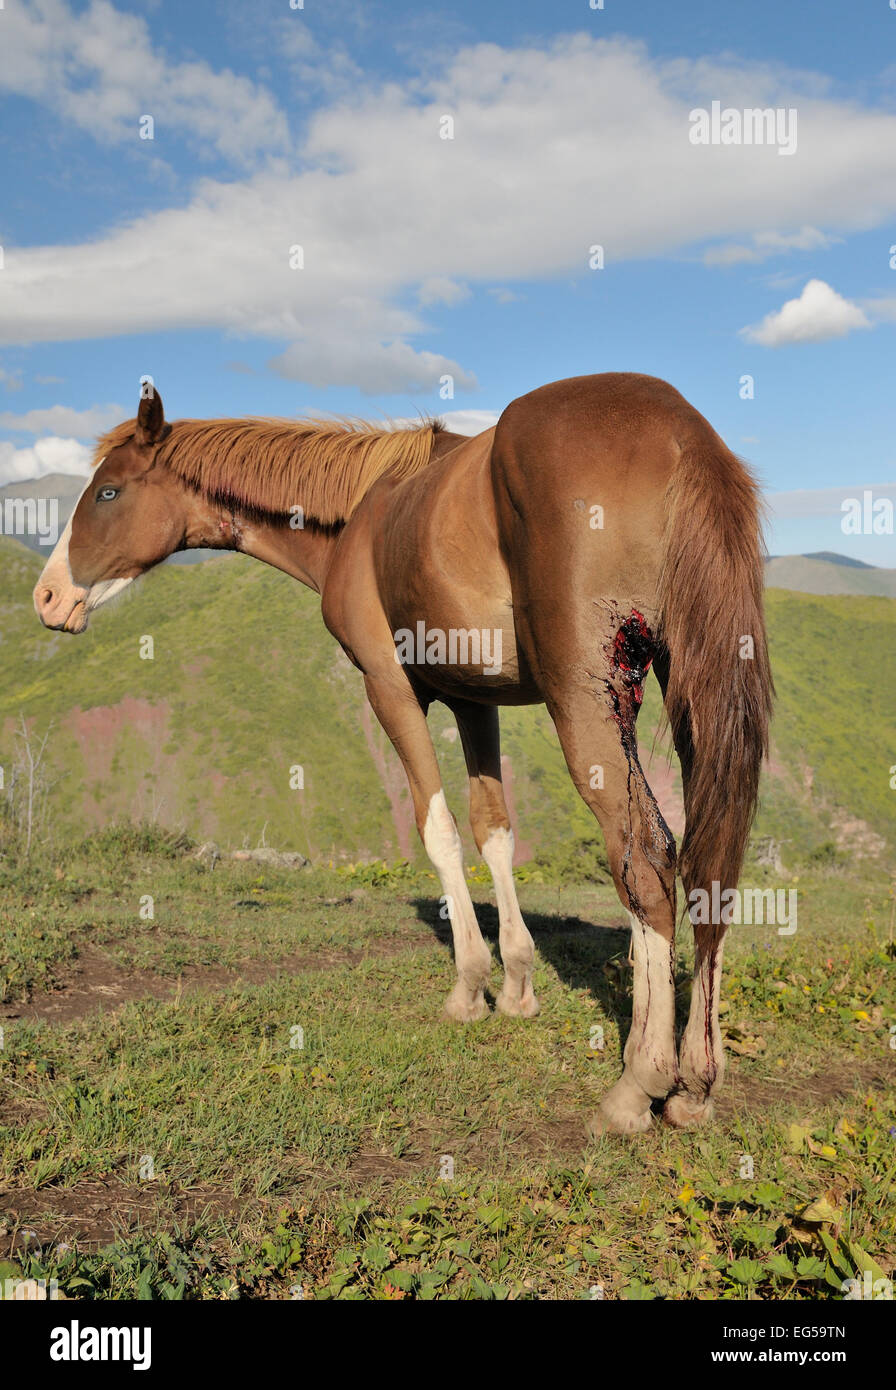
594	707
490	823
701	1053
441	840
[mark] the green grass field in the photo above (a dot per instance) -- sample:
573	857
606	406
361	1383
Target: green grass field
164	1135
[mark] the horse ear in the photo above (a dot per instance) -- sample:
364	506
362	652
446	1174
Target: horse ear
150	416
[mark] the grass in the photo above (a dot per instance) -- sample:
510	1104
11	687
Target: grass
169	1138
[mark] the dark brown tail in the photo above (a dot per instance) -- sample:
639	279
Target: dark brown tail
719	691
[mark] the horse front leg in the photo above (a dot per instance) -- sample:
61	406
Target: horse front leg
398	709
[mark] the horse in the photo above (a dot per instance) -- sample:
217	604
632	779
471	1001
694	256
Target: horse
602	528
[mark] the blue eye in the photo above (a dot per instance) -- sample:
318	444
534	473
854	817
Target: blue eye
107	494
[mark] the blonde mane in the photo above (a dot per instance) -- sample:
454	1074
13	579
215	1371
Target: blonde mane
269	465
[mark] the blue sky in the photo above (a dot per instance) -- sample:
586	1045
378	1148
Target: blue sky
423	256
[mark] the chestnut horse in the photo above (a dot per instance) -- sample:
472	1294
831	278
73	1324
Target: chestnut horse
601	527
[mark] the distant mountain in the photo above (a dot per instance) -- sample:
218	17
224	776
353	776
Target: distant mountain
244	683
835	559
63	488
825	572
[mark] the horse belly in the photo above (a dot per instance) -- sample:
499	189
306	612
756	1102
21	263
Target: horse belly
462	646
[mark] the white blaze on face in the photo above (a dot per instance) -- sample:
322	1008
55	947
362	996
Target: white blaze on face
70	603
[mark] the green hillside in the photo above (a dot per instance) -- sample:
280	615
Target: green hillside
245	683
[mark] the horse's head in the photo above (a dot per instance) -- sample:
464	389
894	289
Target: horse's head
129	517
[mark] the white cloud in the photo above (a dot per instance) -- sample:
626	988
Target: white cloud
315	67
100	71
823	501
436	289
11	380
468	421
50	455
766	244
882	309
374	368
555	149
819	313
60	419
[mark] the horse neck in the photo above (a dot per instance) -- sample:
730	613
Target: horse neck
303	552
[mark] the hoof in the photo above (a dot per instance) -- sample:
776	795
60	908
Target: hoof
625	1109
512	1007
465	1010
683	1112
617	1122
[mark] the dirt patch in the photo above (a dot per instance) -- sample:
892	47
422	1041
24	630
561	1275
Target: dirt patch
755	1094
855	836
96	1213
549	1140
104	731
369	1168
96	982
